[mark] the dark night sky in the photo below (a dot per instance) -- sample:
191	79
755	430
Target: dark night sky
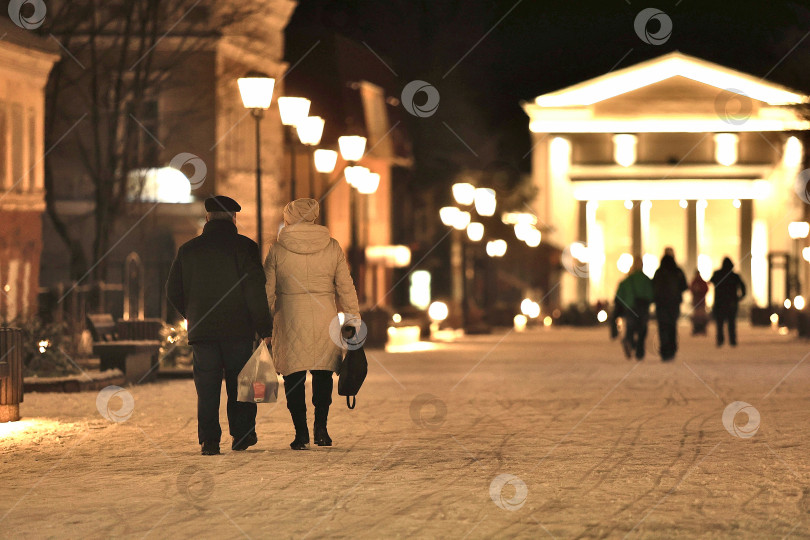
541	46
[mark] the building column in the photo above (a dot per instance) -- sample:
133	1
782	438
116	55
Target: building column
638	250
582	236
746	236
691	238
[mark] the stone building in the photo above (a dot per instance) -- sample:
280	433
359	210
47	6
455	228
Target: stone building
673	152
25	61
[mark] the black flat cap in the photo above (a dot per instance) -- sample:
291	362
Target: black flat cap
221	203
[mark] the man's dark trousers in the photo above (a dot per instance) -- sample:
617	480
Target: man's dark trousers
211	358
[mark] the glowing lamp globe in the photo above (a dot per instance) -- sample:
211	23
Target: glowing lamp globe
438	311
310	130
461	220
448	215
485	202
355	174
256	90
325	160
464	193
293	110
368	183
352	147
475	231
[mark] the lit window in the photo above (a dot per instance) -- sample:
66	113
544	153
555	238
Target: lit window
624	149
725	148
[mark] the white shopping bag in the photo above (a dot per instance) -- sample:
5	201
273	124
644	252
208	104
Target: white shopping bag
258	380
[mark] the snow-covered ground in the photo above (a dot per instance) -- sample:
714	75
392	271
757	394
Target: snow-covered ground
546	433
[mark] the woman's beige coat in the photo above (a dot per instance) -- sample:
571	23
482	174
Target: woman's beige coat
305	270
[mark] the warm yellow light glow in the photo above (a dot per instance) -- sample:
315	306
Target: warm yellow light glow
389	256
461	220
793	152
787	303
704	265
649	264
560	158
496	248
580	252
310	130
725	148
774	319
798	302
522	230
368	183
602	316
547	321
806	254
520	322
625	263
448	215
438	311
256	90
683	204
475	231
530	308
352	147
798	229
293	110
624	149
514	218
325	160
355	174
628	204
485	201
671	190
397	318
464	193
533	238
737	203
419	290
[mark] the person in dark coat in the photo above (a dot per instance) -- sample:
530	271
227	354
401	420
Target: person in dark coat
699	288
217	283
729	289
633	298
669	283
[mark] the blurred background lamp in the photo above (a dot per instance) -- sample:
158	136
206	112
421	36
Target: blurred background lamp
624	149
725	148
310	130
798	229
522	230
368	183
352	147
625	263
475	231
256	90
485	202
798	302
448	215
496	248
787	303
293	110
602	316
806	254
438	311
354	174
534	238
520	322
325	160
461	220
464	193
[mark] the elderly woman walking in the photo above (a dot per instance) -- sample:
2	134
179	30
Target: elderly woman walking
305	270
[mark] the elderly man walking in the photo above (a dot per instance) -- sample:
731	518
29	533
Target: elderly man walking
217	283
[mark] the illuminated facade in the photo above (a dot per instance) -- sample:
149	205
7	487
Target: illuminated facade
675	151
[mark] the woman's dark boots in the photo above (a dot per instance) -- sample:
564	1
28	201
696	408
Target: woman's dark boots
322	437
301	431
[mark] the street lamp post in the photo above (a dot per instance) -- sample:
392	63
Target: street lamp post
293	110
256	90
310	130
352	148
325	161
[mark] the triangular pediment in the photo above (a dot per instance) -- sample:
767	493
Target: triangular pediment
667	75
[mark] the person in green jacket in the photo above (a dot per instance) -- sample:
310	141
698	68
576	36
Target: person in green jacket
632	303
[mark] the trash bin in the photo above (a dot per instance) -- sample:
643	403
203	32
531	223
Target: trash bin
11	374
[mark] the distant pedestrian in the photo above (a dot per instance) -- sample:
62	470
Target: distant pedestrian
632	303
729	289
700	318
216	282
669	283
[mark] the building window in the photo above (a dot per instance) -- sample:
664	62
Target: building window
145	131
725	148
624	149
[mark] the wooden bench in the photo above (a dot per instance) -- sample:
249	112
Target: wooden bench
136	358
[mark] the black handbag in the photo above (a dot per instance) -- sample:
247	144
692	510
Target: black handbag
353	368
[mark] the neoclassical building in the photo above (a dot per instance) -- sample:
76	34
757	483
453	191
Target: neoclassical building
25	62
672	152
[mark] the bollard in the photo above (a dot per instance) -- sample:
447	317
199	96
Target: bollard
11	374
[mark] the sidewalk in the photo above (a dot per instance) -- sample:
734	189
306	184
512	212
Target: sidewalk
546	433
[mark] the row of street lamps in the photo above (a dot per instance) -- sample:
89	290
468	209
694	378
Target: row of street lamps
256	90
